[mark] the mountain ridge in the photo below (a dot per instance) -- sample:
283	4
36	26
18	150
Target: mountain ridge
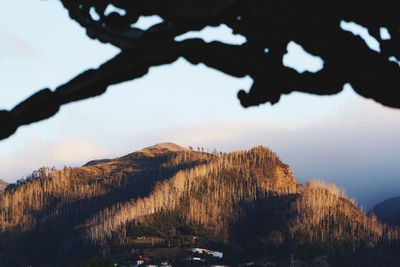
245	199
157	147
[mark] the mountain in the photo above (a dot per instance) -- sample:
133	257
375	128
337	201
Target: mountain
3	185
245	203
162	146
166	145
388	211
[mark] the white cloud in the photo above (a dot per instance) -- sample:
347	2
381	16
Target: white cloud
71	151
13	46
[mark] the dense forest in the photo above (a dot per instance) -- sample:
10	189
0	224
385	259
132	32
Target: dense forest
246	203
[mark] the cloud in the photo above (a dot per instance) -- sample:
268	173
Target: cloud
36	153
13	46
73	150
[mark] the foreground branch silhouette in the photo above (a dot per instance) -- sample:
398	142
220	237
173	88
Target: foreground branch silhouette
265	24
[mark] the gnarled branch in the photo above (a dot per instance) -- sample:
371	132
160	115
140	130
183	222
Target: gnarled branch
265	24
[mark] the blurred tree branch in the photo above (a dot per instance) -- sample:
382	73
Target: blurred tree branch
265	24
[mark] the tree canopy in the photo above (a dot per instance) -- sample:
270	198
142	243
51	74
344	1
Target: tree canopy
268	27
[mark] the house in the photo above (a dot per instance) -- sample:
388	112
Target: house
139	262
165	264
216	254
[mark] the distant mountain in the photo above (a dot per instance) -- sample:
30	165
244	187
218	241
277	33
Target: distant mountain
3	185
388	211
246	203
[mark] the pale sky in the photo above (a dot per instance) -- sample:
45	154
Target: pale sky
344	139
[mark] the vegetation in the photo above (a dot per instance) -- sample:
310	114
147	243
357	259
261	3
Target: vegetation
246	203
99	262
207	194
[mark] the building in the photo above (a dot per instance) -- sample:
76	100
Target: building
216	254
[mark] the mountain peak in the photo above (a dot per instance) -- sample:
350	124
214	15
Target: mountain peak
151	149
166	145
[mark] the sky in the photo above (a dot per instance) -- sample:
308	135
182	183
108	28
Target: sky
344	139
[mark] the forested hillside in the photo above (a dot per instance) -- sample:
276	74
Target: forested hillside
209	194
246	203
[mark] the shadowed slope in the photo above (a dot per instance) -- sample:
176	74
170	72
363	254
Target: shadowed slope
388	211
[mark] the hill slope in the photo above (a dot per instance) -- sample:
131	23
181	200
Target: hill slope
388	211
246	201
